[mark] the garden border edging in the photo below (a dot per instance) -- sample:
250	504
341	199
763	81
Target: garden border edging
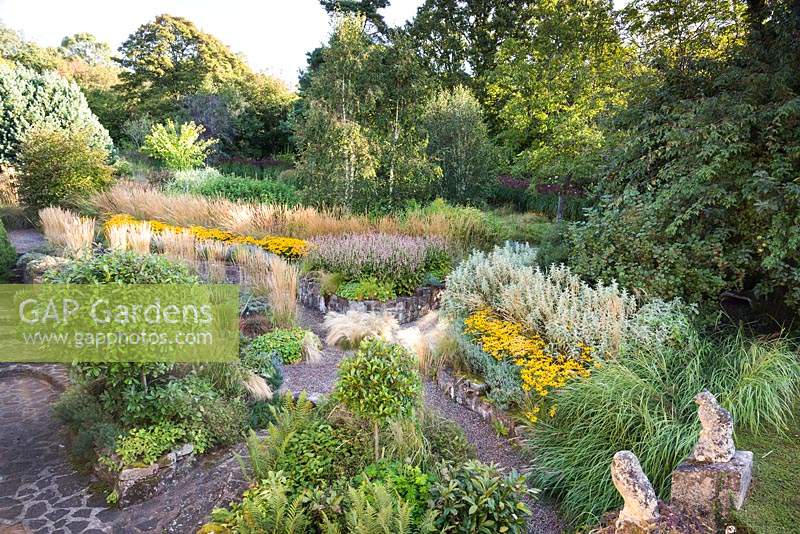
404	309
469	394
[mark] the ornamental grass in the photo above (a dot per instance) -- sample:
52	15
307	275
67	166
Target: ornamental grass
462	228
70	234
180	246
349	329
283	246
644	402
272	277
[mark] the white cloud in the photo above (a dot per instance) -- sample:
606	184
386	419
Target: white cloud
274	35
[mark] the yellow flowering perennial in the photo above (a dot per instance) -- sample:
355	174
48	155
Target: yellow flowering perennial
287	247
540	370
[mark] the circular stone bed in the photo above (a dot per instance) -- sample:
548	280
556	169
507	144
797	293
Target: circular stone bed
404	309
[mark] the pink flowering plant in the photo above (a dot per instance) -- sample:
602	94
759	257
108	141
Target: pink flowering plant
402	261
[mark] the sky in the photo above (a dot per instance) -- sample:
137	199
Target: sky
274	35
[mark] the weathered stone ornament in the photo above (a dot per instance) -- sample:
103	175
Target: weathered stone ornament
715	477
641	504
716	437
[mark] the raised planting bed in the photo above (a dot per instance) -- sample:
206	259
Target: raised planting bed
133	484
404	309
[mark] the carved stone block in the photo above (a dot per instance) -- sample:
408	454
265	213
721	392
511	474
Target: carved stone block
703	488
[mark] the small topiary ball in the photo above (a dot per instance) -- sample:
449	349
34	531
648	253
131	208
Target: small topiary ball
380	382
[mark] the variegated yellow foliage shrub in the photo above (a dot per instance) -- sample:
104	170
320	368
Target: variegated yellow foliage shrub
541	369
287	247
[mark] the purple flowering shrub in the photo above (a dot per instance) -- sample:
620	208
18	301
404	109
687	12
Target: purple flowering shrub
396	259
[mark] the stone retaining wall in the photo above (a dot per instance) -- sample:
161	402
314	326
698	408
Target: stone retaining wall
469	394
404	309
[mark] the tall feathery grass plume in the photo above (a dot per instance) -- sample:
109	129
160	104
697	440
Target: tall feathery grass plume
178	246
70	234
272	277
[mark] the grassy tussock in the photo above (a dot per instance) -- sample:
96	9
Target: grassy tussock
134	237
177	246
349	329
257	387
312	348
644	403
71	234
273	277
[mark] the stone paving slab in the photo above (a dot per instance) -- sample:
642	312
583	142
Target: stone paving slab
41	492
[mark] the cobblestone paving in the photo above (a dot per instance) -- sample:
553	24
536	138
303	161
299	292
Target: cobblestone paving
40	491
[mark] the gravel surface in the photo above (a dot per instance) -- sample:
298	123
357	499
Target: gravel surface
25	240
493	449
319	380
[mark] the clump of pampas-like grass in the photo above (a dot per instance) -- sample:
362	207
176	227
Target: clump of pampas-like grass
257	387
312	348
349	329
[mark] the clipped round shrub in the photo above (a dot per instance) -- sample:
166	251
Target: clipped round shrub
463	493
380	382
122	268
32	100
56	166
8	255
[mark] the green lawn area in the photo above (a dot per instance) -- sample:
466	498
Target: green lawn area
774	503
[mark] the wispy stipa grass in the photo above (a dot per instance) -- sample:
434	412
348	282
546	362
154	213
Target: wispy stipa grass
644	403
270	276
71	234
349	329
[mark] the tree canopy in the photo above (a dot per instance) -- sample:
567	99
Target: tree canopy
170	57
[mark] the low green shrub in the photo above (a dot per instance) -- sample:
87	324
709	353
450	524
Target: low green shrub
92	428
463	495
236	188
143	446
379	383
367	289
58	167
287	343
8	255
178	148
307	446
122	268
209	182
643	402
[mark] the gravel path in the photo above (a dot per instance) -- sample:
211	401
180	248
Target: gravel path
318	380
25	240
